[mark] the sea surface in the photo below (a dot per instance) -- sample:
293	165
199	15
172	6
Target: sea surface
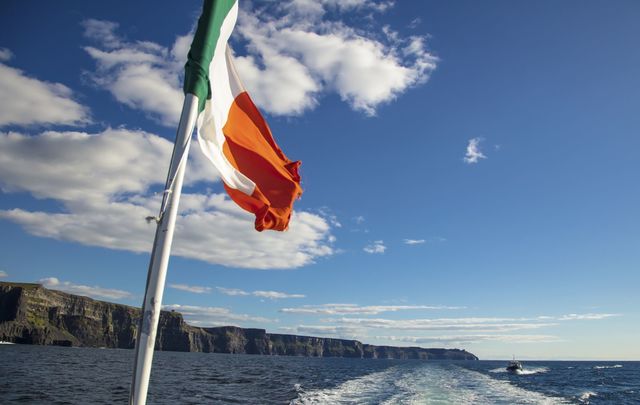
59	375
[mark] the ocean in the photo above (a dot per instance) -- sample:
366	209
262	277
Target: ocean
61	375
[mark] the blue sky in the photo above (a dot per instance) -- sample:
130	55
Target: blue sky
470	169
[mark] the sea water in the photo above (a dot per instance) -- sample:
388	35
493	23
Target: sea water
57	375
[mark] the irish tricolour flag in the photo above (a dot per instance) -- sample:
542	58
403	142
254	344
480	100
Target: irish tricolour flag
230	130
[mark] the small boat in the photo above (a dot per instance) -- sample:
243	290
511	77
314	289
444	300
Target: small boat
514	366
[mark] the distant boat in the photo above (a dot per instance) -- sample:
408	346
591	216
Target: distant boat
2	342
514	366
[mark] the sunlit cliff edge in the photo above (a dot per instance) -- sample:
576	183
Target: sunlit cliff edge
32	314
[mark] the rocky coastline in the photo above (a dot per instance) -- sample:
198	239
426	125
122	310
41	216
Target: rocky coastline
32	314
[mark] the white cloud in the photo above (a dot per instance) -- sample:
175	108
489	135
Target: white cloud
29	101
352	309
343	332
295	54
142	75
3	274
332	218
318	8
79	289
274	295
375	247
466	330
105	183
471	339
5	55
232	291
80	168
585	317
366	68
102	31
475	324
414	241
474	154
196	289
415	23
359	219
283	87
458	324
214	316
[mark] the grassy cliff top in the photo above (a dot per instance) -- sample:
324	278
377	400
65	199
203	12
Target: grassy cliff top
23	285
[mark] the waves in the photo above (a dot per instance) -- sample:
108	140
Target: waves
586	396
371	387
525	371
607	366
40	374
424	383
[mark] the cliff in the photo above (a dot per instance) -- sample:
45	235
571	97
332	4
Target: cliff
32	314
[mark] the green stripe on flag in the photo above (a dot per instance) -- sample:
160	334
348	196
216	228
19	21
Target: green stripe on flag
196	78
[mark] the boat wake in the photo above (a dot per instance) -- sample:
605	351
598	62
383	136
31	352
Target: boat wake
424	383
368	387
526	371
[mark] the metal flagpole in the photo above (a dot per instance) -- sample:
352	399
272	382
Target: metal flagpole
166	220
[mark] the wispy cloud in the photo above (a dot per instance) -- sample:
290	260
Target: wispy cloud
414	241
232	291
476	324
330	216
3	274
196	289
344	332
376	247
471	339
103	32
79	289
583	317
415	23
467	330
359	219
474	154
64	166
214	316
273	295
443	324
352	309
276	295
5	55
28	101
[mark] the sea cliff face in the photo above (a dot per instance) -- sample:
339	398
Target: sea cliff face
32	314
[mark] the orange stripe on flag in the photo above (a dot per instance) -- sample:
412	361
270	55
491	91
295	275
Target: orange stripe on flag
251	149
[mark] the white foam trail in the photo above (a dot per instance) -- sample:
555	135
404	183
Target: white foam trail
360	390
428	384
533	370
525	371
584	398
614	366
457	385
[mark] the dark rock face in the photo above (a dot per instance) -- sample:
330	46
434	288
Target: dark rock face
32	314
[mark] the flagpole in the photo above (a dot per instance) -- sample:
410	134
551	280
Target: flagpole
147	329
